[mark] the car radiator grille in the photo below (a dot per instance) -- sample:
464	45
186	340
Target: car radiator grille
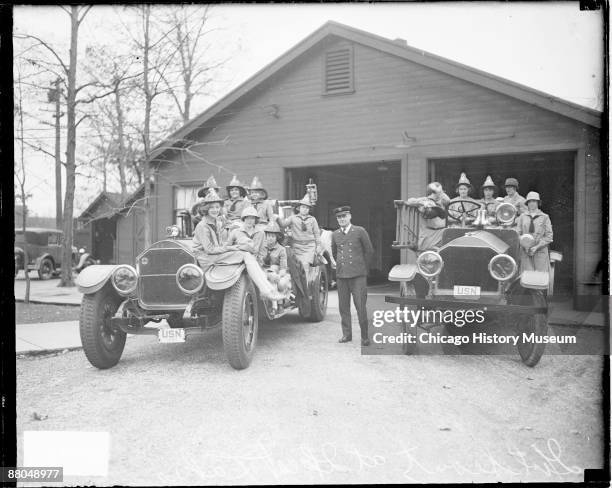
467	266
157	269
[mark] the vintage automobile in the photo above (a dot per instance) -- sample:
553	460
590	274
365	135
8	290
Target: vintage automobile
167	283
44	250
474	263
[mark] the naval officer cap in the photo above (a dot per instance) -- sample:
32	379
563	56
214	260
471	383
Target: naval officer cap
342	210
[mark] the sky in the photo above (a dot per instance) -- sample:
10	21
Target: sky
552	47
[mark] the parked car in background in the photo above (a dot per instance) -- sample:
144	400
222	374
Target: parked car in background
44	250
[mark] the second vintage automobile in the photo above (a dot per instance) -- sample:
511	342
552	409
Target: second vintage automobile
167	286
44	251
473	264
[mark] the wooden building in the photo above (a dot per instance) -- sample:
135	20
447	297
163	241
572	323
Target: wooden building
371	120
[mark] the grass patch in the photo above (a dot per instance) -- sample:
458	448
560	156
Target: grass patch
40	312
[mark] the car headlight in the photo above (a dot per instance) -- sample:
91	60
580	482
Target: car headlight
124	279
505	213
502	267
173	231
430	264
190	279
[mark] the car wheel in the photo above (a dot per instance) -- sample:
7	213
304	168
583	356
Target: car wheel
318	304
240	323
102	344
46	269
537	324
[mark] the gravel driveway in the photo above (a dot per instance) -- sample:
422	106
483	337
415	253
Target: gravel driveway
310	410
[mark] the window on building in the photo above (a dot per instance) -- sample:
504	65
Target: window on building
338	71
184	198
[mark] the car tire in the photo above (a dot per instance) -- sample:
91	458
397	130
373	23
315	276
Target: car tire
320	288
240	323
46	269
537	323
102	345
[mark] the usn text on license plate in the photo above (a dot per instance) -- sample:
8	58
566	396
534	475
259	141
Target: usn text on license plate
466	291
171	335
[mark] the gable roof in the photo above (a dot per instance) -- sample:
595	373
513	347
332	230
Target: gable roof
113	200
521	92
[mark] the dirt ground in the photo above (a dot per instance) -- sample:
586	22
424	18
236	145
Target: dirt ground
310	410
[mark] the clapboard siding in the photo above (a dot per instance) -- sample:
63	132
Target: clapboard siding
447	116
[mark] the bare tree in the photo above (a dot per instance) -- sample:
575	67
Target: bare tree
192	67
68	72
20	176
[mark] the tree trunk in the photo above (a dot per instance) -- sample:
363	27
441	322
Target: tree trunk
147	128
120	141
58	164
66	276
26	258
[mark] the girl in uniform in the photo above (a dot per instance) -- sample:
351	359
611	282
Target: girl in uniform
211	250
258	196
234	205
488	201
536	232
305	234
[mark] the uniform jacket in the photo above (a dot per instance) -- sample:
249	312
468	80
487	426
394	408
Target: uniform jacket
352	252
518	201
312	233
264	209
255	238
490	206
233	208
276	254
206	237
542	225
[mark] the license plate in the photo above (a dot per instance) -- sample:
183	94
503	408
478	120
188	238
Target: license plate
463	291
171	335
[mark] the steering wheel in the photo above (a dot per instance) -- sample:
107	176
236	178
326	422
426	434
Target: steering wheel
459	209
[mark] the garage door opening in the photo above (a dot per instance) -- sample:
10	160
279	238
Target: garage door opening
369	188
550	174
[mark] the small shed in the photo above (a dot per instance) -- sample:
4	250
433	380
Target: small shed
96	230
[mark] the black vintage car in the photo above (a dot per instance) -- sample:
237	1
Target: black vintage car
44	250
475	263
167	284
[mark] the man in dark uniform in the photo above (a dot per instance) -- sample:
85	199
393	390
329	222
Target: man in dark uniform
352	250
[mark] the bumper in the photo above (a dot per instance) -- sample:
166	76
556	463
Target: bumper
430	303
136	325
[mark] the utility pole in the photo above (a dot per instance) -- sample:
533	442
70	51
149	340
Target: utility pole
54	95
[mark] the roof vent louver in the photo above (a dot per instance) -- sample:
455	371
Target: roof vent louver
338	71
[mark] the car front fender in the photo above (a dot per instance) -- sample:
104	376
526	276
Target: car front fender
221	277
403	272
94	277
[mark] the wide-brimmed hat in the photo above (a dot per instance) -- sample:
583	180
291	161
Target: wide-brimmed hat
272	227
210	183
489	183
235	183
533	195
249	212
463	180
511	182
345	209
257	185
211	197
305	201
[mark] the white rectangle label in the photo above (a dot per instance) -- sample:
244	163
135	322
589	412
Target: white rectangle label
171	335
464	291
79	453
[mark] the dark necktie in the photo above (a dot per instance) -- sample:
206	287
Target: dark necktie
233	205
531	225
